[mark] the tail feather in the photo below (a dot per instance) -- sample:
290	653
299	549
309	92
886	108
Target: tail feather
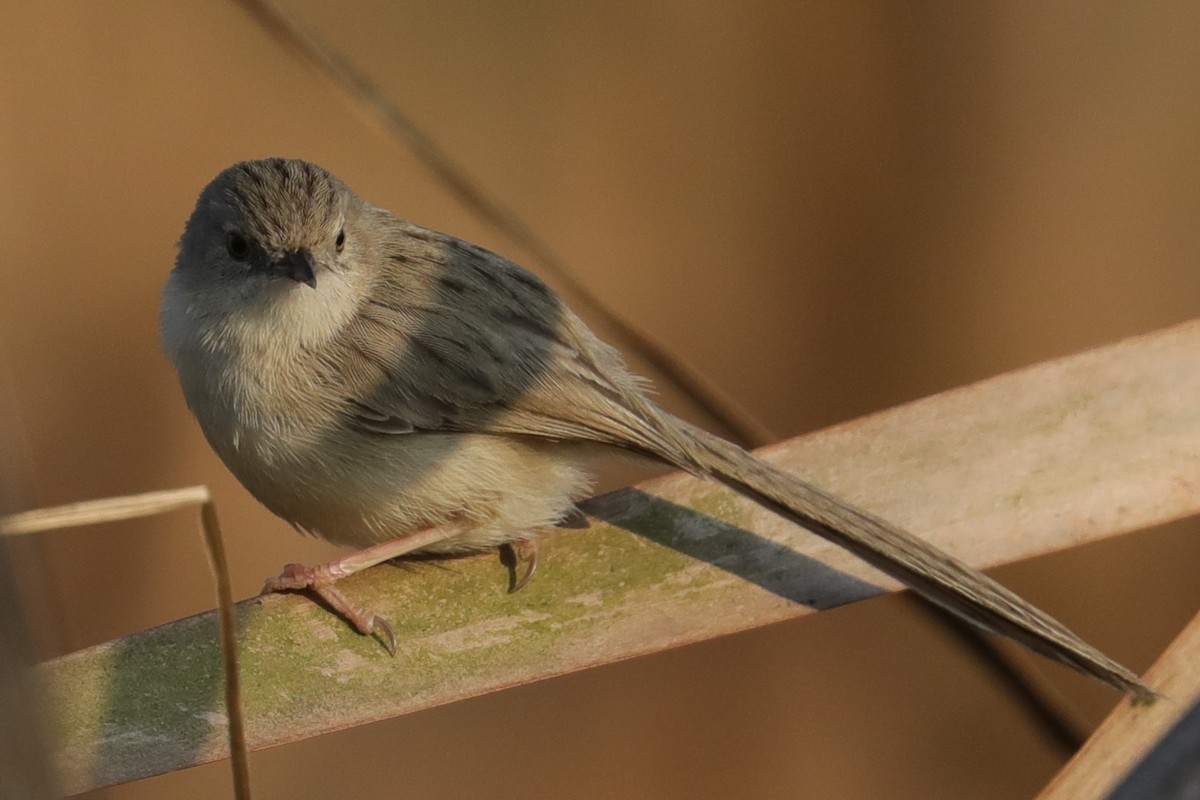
930	572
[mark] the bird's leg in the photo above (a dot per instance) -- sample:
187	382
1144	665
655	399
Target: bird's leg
515	553
320	580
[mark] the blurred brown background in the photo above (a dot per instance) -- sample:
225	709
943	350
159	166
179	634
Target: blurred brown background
827	209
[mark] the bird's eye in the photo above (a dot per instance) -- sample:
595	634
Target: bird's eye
340	241
238	247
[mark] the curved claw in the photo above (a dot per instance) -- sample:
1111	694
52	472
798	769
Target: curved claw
519	551
382	631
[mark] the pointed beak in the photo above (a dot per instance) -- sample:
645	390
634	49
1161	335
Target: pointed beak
299	266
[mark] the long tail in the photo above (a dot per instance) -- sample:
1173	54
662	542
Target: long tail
929	571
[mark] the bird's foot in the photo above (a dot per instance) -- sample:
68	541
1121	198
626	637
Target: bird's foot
320	580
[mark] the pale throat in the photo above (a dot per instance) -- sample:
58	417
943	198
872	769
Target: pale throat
262	361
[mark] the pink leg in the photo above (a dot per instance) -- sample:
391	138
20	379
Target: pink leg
515	553
320	580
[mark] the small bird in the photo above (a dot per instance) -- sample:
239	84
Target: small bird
395	389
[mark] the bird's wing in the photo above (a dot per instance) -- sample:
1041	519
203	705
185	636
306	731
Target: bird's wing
454	338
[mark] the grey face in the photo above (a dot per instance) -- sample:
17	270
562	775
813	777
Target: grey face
260	222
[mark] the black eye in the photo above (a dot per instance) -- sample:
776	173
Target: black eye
340	241
238	247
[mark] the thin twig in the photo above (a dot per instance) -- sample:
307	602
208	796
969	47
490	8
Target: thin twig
310	49
111	509
115	509
239	751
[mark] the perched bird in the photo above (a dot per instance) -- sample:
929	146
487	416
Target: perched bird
391	388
